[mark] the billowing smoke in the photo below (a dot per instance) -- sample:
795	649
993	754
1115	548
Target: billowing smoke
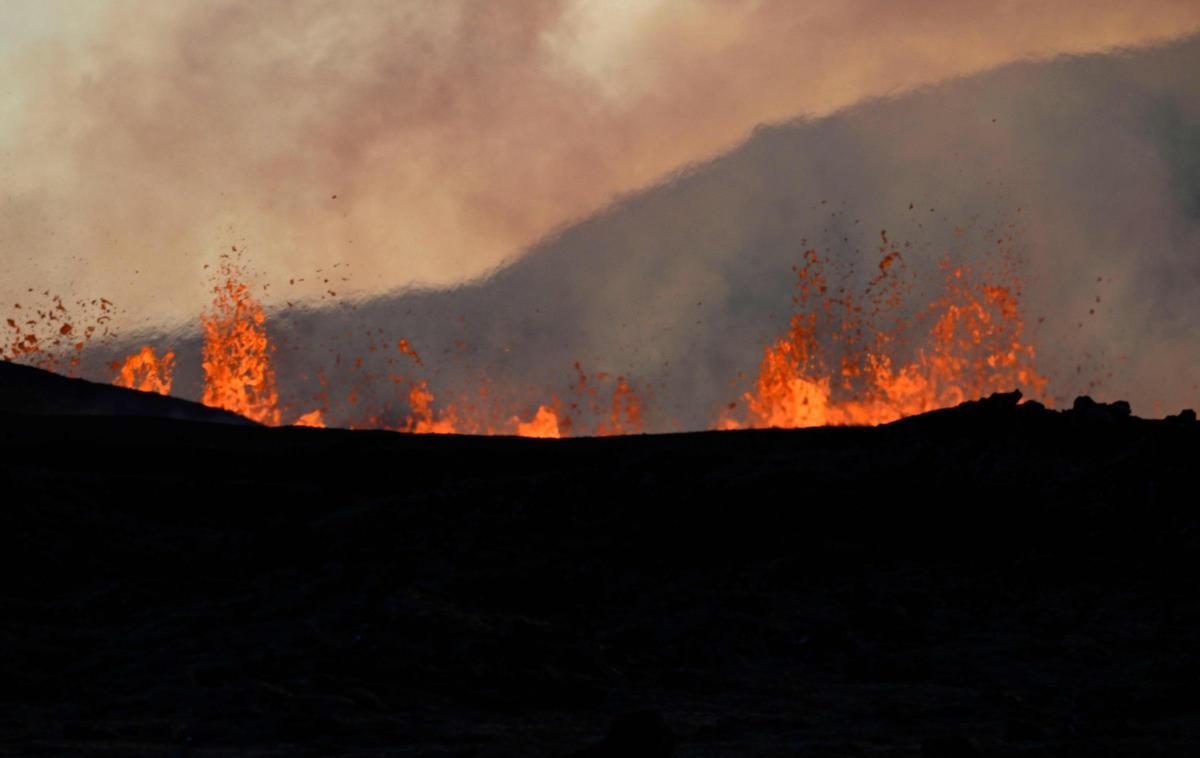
427	144
453	134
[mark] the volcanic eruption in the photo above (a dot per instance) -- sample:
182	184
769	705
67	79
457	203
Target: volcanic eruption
599	378
847	358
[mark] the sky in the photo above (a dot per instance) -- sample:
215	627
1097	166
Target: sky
425	144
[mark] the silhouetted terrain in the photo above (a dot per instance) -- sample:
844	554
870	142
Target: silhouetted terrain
29	390
993	580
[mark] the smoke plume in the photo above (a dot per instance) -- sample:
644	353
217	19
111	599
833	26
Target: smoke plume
426	143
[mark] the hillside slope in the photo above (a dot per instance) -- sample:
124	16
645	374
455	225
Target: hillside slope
30	390
995	579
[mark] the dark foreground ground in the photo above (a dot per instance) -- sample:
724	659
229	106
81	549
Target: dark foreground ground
990	581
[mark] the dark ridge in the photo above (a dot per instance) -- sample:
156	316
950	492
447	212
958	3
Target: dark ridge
994	579
29	390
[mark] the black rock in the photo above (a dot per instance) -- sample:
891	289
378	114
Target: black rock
33	391
950	746
1083	404
635	735
1088	408
1023	730
1003	399
800	592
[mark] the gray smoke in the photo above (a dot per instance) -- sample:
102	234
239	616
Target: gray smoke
426	142
1095	159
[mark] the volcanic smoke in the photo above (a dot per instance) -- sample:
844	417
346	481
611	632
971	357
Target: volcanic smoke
848	357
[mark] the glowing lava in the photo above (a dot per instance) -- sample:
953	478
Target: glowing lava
314	419
145	371
543	424
236	356
847	358
423	418
52	335
972	345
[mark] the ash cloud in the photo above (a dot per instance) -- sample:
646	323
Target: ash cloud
679	287
454	138
454	134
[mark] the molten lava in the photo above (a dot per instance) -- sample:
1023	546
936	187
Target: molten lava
145	371
238	375
625	413
543	424
969	344
48	333
314	419
423	418
849	357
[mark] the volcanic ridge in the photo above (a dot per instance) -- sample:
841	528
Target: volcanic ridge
992	579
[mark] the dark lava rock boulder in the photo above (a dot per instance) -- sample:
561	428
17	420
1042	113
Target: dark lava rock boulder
1185	416
1088	408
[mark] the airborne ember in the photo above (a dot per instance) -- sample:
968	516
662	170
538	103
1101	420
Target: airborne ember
847	358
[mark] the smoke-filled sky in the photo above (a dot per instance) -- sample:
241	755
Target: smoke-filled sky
426	142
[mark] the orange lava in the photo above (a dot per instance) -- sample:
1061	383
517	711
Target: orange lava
145	371
406	349
625	414
971	346
236	356
543	424
315	419
51	334
424	419
847	358
620	414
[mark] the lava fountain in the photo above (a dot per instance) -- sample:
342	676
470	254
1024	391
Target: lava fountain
238	375
880	363
849	357
146	371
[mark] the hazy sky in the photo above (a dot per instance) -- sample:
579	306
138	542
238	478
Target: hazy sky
140	139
